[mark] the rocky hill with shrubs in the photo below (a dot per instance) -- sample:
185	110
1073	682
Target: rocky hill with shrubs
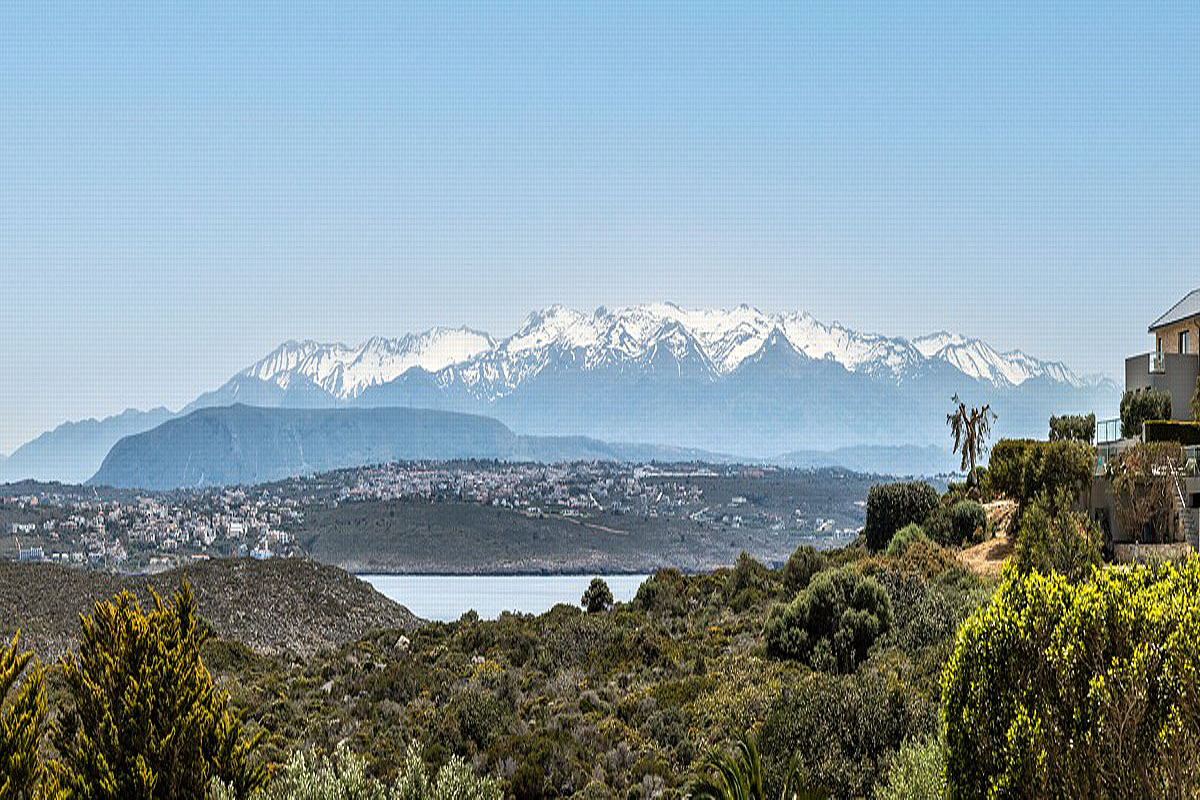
276	606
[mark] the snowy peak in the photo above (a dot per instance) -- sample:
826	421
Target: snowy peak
931	344
979	360
345	371
715	341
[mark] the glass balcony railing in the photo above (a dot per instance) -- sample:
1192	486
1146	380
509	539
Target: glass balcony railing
1108	430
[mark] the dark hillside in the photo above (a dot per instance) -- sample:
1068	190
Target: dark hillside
281	605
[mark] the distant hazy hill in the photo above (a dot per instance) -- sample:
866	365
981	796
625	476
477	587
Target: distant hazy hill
243	444
71	452
879	459
270	606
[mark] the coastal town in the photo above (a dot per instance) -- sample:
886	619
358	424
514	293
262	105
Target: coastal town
137	531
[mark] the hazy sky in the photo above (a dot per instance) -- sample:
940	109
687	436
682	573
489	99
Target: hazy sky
184	186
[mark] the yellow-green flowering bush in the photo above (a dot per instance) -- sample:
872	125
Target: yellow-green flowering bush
1090	690
21	721
145	720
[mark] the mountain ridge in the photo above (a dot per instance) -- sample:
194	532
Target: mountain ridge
724	338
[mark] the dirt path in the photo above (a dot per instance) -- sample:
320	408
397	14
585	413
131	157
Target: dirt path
987	558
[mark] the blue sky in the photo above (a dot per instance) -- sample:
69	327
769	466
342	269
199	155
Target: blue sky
185	185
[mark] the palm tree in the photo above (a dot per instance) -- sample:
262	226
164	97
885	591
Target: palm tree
739	775
970	429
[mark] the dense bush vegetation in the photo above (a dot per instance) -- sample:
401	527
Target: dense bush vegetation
628	703
1021	469
905	538
1140	405
344	776
917	772
1073	428
836	663
1054	538
892	506
805	562
832	624
1079	690
842	731
962	523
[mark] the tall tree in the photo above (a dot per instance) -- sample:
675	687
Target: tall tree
970	428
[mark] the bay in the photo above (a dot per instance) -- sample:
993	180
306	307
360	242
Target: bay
445	598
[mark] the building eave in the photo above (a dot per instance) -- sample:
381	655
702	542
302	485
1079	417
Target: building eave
1185	309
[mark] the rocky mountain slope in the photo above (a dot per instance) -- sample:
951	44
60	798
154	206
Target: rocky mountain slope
276	606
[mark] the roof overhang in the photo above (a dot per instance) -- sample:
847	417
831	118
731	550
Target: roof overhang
1186	308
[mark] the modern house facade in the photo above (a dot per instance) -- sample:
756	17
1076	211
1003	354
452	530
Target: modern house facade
1173	366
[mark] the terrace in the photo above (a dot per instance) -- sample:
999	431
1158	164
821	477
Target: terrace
1172	367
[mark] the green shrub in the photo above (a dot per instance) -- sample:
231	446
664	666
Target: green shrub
1021	469
964	522
662	593
968	521
1078	690
832	624
916	773
1073	428
804	562
1052	537
747	583
1140	405
597	597
843	731
145	719
1185	433
939	527
892	506
905	538
21	720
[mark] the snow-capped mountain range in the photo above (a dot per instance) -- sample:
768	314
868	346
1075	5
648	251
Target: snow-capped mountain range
722	339
738	382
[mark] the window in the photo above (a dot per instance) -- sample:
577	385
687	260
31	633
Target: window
1183	341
